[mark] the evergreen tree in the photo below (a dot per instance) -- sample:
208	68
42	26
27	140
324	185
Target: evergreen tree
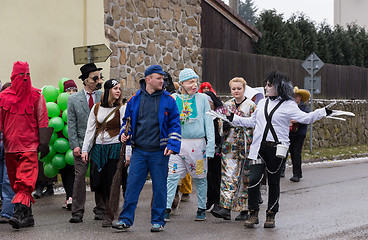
248	11
298	37
272	27
323	48
309	34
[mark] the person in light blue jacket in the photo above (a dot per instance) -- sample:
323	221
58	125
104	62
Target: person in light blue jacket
198	142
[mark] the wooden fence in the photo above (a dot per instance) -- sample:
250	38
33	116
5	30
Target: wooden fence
338	82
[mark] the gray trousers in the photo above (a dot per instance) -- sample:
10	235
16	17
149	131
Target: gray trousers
79	191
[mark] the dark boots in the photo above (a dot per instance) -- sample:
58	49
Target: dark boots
28	220
270	220
19	210
252	219
243	215
222	213
38	192
49	190
22	216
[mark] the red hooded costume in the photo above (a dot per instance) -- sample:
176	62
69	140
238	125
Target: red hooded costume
22	113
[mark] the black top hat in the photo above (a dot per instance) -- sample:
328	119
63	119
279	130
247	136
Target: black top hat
87	68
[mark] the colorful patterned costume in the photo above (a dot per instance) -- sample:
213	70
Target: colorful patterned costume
235	169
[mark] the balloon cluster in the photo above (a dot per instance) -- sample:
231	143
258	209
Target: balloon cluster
60	153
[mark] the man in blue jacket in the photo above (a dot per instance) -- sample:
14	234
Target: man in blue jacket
154	135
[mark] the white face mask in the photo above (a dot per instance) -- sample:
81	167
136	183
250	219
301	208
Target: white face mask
270	90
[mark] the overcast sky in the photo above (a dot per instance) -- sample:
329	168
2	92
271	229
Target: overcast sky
316	10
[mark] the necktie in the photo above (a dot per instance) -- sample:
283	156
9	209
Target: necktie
90	102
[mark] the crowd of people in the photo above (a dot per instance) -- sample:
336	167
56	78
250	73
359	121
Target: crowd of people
178	132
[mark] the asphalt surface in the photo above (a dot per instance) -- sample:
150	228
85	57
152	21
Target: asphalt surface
330	202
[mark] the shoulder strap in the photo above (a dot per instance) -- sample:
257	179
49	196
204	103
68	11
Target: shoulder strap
268	119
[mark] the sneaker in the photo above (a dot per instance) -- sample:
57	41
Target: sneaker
167	214
69	203
4	219
157	228
120	225
201	215
185	197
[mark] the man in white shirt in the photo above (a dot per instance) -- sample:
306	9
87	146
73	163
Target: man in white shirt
271	127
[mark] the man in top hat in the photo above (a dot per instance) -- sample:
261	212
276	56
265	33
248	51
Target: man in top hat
79	106
297	134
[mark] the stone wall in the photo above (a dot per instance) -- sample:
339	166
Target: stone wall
143	33
334	133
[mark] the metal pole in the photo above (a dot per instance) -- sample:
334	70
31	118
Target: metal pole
311	107
89	54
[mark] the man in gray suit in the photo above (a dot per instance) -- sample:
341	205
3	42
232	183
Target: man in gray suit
79	105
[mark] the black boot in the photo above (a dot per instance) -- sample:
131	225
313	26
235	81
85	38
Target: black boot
19	210
243	215
28	220
222	213
49	190
38	192
216	207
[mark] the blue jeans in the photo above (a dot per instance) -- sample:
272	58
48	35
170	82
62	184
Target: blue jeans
140	163
7	193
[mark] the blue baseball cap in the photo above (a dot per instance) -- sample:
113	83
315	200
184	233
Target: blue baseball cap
154	69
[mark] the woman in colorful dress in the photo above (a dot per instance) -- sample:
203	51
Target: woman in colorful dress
235	149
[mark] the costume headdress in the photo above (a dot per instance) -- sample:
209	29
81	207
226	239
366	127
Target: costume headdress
20	97
107	86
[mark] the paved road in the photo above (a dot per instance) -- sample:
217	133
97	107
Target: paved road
329	203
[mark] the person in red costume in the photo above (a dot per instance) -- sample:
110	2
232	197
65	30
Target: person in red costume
24	122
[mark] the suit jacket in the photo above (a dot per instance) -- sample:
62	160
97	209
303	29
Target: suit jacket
78	113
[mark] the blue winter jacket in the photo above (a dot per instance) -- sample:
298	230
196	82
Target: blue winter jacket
169	121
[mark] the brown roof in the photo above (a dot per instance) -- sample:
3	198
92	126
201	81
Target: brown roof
235	18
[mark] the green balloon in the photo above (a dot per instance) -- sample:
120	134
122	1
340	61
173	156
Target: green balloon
62	101
53	109
88	170
69	158
61	145
49	156
65	131
50	93
49	170
64	116
61	84
57	123
53	138
58	161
